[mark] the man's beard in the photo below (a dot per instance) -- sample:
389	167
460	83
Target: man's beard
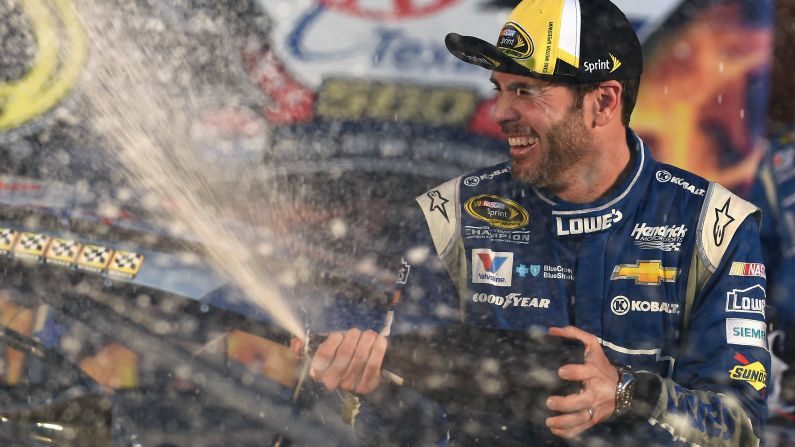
566	144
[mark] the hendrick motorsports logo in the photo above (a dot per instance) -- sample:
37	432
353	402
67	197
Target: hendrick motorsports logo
621	305
665	237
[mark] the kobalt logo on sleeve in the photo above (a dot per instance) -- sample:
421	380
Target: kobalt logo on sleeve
492	267
622	305
746	332
750	300
511	300
665	177
585	225
475	180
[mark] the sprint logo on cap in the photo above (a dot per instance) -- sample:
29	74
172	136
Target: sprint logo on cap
603	65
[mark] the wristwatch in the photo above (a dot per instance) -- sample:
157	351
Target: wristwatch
624	391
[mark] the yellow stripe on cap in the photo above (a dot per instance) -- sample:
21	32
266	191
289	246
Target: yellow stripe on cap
542	22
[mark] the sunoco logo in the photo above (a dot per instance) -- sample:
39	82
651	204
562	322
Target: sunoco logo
753	373
622	305
665	237
497	211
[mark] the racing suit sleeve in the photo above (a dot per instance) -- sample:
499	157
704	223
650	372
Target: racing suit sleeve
717	393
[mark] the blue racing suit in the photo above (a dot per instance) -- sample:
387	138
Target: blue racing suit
666	271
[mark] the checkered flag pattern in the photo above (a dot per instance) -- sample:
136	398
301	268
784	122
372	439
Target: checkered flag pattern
63	250
32	244
95	256
126	262
7	238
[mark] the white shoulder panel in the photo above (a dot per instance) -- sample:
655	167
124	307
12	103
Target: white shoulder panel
441	206
721	216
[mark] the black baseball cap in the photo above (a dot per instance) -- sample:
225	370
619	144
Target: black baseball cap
575	41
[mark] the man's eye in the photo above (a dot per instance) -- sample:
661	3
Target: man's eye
523	91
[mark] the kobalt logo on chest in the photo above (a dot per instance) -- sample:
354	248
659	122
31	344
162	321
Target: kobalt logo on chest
585	225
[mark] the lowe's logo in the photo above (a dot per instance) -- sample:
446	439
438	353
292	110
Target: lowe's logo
585	225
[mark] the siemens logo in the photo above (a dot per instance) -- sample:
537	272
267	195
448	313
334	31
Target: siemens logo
745	332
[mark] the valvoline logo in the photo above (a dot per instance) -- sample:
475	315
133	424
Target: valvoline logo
492	263
492	267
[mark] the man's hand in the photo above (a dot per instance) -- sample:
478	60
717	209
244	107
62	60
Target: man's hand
349	360
596	401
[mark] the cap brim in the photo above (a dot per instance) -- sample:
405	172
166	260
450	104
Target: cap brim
476	51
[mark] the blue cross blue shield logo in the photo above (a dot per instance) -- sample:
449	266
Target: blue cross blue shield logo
535	270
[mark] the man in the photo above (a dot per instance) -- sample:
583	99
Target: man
656	271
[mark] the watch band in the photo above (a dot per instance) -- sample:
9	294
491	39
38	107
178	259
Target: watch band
625	391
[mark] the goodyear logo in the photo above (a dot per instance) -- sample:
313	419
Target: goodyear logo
650	273
497	211
60	47
515	42
753	373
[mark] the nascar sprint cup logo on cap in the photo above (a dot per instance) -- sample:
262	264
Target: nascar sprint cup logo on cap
515	42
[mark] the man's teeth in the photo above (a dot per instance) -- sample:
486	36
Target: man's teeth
522	141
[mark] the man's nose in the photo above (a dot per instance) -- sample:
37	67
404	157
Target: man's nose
504	112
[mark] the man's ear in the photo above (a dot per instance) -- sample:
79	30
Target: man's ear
607	106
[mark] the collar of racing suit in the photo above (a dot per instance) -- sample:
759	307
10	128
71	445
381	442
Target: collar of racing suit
575	219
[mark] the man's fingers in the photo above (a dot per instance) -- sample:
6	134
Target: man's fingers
570	403
566	422
296	346
351	376
325	354
372	370
333	374
577	373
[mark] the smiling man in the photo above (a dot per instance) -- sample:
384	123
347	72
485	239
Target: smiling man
648	266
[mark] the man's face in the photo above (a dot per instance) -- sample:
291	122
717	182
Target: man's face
547	134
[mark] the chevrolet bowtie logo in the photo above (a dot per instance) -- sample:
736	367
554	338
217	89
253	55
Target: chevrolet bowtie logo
650	273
